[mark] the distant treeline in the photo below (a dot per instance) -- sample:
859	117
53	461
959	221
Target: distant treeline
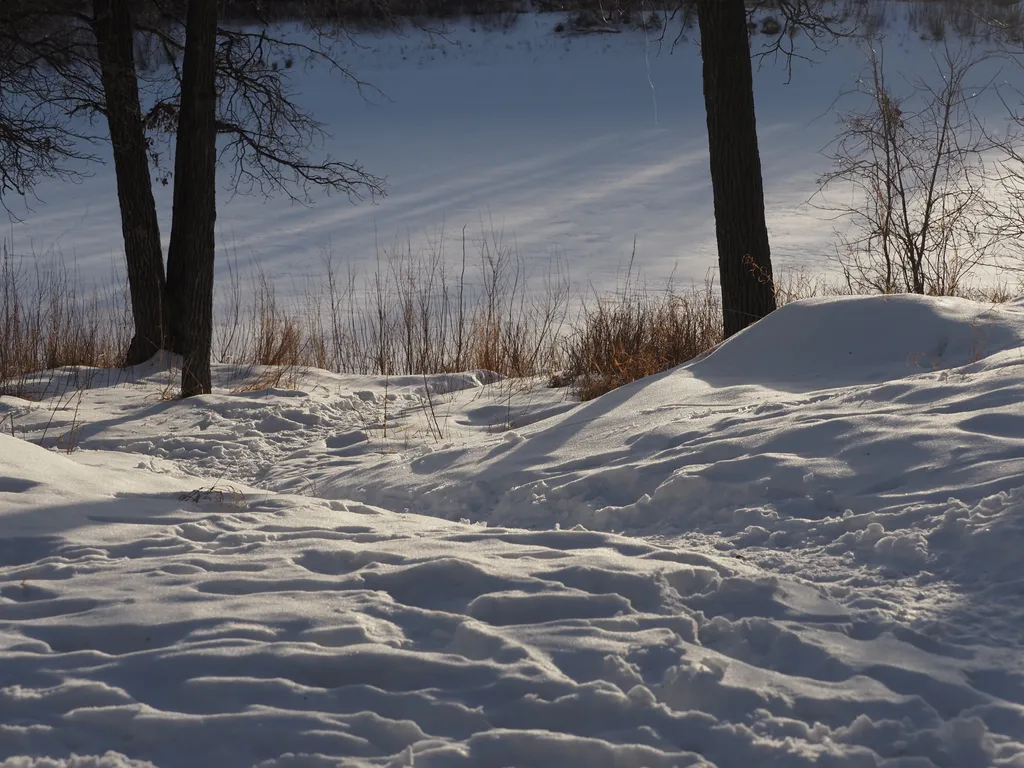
932	18
929	16
385	10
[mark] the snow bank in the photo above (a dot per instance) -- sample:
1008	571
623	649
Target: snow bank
829	342
815	564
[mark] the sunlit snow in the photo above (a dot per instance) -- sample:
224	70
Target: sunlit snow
802	550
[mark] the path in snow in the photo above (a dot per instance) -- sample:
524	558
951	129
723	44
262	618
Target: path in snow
271	626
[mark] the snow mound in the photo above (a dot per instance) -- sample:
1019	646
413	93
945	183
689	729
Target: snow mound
827	342
26	466
828	410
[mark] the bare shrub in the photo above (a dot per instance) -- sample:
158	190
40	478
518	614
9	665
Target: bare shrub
637	332
921	195
47	322
419	312
801	284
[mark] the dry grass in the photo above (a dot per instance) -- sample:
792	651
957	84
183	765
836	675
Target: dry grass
47	321
218	494
418	313
637	333
997	293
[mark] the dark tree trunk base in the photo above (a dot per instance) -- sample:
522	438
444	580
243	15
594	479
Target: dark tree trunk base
139	351
190	257
140	228
744	255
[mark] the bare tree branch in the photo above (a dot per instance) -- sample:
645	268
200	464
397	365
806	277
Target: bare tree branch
270	138
40	67
912	169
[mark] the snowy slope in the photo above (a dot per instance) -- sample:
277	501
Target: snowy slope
802	550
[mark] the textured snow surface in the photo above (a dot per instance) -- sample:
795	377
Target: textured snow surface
804	549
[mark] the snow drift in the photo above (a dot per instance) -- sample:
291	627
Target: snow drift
801	550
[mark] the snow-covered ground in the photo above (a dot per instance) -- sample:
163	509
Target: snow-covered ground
803	549
568	146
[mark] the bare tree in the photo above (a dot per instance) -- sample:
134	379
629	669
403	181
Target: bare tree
1009	216
89	67
267	137
917	189
744	255
744	252
190	256
38	138
113	28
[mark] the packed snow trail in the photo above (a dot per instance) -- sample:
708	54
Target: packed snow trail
800	550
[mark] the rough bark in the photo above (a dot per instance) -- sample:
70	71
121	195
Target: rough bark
140	228
190	257
744	257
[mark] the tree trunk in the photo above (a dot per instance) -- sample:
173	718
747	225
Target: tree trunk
744	257
190	257
140	228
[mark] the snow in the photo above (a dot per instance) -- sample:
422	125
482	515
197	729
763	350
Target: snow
568	148
802	549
